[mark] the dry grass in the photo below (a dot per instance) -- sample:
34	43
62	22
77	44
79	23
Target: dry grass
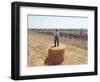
55	55
75	51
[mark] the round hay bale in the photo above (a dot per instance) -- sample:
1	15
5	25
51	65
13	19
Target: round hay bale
55	55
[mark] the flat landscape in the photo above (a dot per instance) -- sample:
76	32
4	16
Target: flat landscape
75	50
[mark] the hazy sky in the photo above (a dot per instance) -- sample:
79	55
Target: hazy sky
68	22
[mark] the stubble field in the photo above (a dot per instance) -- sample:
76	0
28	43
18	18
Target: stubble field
75	51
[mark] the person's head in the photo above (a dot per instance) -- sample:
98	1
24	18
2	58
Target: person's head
56	30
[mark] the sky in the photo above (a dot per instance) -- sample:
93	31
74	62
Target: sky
57	22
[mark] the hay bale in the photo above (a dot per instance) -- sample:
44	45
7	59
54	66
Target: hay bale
55	55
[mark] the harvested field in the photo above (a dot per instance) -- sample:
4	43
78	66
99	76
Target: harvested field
75	51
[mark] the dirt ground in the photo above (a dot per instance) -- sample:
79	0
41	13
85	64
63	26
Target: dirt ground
75	51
